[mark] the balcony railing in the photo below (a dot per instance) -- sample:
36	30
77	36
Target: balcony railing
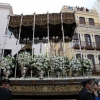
76	44
89	45
86	45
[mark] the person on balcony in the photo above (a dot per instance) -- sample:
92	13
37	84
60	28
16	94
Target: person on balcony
86	93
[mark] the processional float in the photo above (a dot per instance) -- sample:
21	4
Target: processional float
42	28
45	28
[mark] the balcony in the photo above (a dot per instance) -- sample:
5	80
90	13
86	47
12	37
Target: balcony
97	45
89	45
76	44
86	45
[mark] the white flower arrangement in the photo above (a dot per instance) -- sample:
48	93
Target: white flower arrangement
41	62
75	64
24	59
57	62
8	62
86	64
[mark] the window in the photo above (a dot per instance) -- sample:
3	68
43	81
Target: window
87	39
82	20
76	36
6	52
91	57
97	40
78	56
91	21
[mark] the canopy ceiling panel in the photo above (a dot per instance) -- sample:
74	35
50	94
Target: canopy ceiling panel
52	20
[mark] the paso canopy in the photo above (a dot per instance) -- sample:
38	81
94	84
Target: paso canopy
40	24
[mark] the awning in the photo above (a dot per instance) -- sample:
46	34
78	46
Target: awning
41	23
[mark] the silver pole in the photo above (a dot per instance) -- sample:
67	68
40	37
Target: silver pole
63	34
80	45
33	35
33	40
72	47
80	51
18	41
48	33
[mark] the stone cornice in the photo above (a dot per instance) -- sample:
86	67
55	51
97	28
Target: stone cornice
87	13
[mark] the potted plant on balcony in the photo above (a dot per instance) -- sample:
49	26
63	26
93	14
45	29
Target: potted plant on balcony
24	59
7	64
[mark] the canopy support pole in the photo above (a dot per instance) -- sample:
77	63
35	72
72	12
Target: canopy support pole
63	35
33	36
33	41
18	42
48	33
80	51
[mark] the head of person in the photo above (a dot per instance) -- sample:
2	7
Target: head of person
98	86
95	85
87	83
5	83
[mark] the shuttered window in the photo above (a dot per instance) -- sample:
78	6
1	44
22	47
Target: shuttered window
91	21
82	20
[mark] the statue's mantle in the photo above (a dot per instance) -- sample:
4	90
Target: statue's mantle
52	86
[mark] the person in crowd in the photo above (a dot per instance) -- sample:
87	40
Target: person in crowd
6	83
78	8
86	93
95	90
99	89
5	93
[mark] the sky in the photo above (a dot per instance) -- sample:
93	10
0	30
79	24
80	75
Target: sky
44	6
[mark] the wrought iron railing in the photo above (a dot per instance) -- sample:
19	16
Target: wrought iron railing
86	45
